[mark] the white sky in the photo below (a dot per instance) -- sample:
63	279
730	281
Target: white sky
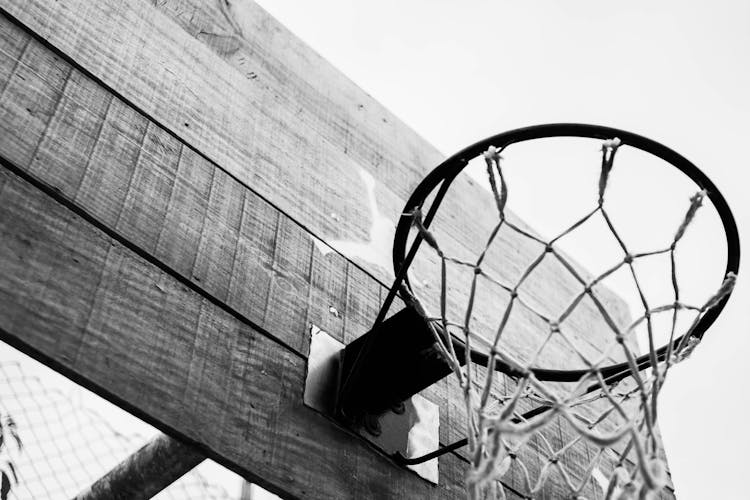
674	71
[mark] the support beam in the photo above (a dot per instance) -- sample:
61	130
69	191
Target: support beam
150	253
146	472
144	323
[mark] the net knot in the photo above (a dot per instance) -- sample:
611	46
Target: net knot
492	154
726	288
658	473
695	203
686	351
611	144
609	148
428	237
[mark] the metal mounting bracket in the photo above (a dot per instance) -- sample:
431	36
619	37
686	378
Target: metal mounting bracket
411	428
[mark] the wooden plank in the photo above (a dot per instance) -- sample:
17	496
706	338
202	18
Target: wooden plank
185	220
75	126
270	268
221	229
14	40
150	188
28	99
159	195
289	292
252	266
363	300
329	283
105	183
142	325
182	200
264	128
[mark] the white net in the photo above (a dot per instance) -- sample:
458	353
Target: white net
509	422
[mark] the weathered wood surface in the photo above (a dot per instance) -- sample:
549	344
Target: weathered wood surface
171	203
126	143
102	313
297	119
102	160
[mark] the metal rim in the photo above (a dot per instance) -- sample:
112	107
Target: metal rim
444	173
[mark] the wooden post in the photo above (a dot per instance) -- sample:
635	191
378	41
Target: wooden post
146	472
247	491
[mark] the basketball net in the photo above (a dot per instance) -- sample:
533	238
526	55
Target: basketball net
615	415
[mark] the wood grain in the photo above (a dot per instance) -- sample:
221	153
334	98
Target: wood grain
294	115
203	225
195	195
68	287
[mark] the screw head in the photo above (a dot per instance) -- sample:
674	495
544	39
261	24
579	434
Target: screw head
372	425
399	408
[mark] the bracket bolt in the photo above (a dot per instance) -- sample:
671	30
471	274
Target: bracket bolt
399	408
372	425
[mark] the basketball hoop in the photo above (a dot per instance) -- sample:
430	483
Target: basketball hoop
625	393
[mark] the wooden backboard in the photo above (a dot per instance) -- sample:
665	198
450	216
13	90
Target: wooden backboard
186	188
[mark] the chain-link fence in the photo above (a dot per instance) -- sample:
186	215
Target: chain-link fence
70	437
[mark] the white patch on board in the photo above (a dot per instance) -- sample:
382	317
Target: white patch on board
322	246
239	15
603	482
600	479
424	437
377	249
